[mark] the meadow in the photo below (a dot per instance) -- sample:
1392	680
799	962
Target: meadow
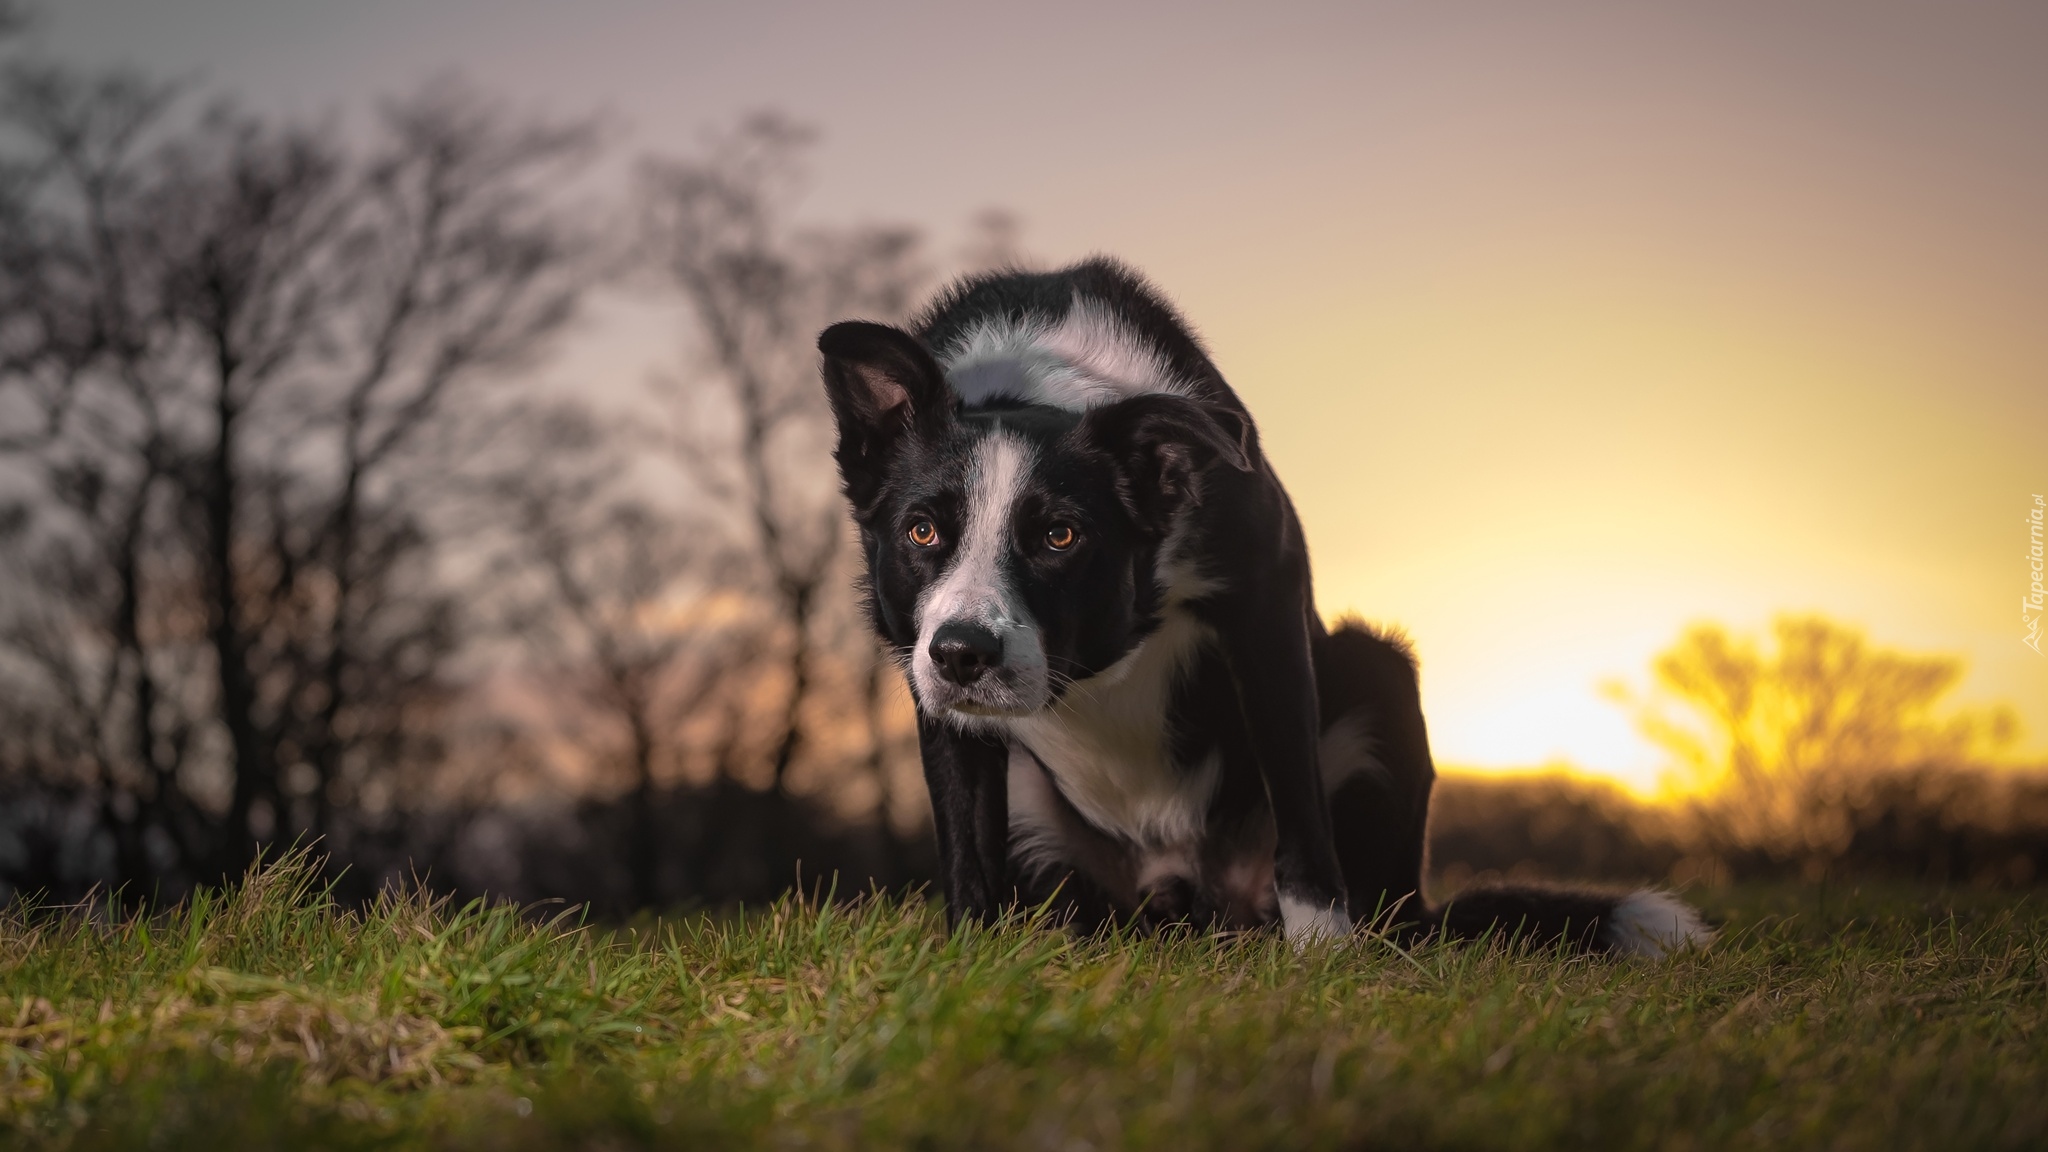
269	1016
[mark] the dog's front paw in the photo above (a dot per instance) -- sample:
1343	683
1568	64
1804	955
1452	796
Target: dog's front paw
1310	921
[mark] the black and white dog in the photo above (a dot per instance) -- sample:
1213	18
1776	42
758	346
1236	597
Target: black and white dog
1101	595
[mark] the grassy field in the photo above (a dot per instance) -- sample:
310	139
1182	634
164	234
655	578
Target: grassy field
268	1017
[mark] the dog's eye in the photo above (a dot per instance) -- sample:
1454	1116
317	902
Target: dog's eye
924	534
1060	538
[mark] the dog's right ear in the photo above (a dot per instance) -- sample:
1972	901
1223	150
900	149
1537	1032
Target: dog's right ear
882	384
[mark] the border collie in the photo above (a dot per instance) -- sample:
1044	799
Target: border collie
1100	594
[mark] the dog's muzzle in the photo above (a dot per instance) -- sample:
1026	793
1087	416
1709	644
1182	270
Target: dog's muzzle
976	667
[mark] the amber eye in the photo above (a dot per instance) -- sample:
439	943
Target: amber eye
924	534
1060	539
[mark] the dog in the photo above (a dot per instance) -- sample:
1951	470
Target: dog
1099	591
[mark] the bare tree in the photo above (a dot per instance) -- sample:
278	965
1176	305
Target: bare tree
1782	740
630	607
235	361
757	288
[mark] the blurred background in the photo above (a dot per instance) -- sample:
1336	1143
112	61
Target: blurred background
409	435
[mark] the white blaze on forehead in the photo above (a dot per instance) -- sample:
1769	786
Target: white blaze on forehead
976	587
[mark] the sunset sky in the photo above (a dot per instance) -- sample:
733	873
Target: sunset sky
1566	324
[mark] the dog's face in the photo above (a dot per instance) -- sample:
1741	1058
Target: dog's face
1011	551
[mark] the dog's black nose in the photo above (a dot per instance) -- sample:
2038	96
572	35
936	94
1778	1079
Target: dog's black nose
964	651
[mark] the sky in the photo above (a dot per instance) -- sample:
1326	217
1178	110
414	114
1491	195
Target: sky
1566	325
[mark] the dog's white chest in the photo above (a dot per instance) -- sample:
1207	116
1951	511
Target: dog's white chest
1106	744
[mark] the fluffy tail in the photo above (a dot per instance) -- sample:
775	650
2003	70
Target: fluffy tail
1644	922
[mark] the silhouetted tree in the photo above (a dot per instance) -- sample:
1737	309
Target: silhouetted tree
1783	742
235	361
630	608
752	429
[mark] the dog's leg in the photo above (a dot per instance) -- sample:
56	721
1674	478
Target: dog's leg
1268	646
967	776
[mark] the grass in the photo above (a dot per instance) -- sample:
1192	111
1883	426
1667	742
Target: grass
269	1017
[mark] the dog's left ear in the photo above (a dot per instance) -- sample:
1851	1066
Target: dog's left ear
1163	444
883	384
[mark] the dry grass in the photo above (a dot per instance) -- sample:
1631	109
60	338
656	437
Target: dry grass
271	1018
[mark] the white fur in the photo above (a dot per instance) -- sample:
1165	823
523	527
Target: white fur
1309	923
1247	881
1100	346
1161	865
1089	358
1345	751
1105	742
1038	837
1035	838
975	588
1654	924
1179	578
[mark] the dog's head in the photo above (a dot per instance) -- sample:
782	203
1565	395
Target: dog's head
1011	549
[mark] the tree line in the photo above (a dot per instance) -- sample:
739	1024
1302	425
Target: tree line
298	545
1808	753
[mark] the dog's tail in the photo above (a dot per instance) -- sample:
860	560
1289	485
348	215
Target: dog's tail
1644	922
